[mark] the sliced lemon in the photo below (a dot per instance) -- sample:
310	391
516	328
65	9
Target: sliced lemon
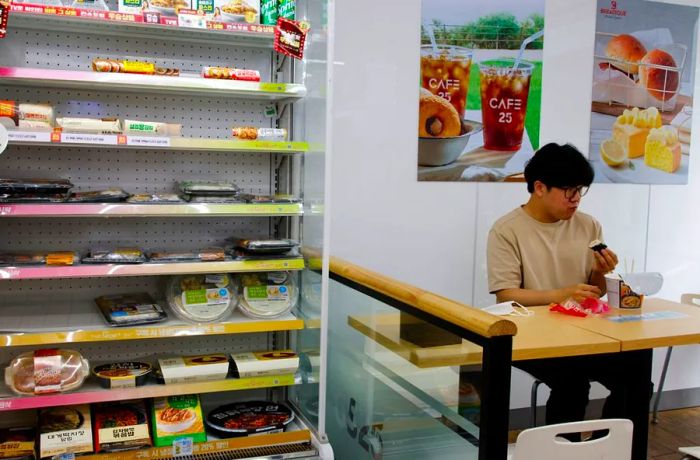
612	152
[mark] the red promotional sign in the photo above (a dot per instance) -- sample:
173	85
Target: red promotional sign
4	10
290	37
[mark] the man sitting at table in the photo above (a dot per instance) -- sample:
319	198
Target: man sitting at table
539	254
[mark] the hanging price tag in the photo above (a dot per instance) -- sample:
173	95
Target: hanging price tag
105	139
4	11
146	141
271	111
290	37
183	447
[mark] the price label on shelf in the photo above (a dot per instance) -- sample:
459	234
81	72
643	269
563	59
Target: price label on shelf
273	87
29	136
104	139
145	141
183	447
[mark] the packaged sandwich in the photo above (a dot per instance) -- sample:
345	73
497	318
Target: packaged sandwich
202	298
46	371
154	198
121	426
62	258
249	133
28	116
115	256
264	247
249	418
150	128
90	125
229	73
176	417
112	195
268	295
209	188
22	258
65	430
130	309
17	443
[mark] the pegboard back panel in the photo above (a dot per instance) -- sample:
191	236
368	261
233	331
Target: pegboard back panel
76	51
76	290
187	234
210	118
136	171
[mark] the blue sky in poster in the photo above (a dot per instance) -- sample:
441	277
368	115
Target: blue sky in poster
464	11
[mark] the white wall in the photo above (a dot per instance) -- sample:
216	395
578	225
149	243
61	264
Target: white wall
433	235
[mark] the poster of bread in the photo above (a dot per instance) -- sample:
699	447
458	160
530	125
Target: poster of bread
480	85
642	99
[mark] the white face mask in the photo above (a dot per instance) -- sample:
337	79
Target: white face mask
509	308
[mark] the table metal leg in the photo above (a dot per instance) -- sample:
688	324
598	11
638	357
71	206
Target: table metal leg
638	370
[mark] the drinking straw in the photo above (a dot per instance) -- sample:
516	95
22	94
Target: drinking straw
523	45
431	36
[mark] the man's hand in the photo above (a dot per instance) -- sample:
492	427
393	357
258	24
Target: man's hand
579	292
605	261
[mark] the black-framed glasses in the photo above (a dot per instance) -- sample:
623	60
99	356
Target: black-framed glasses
570	192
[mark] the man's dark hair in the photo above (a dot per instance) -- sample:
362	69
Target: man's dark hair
559	166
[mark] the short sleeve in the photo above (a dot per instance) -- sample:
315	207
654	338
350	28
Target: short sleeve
503	262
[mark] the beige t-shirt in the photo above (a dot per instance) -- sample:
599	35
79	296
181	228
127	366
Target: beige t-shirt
528	254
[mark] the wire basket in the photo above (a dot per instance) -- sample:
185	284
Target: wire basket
615	84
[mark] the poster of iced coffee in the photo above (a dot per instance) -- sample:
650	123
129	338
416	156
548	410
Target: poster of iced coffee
480	85
642	99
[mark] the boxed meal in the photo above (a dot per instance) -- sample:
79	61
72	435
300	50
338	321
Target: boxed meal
112	195
175	417
46	371
154	198
249	418
184	369
122	375
65	430
130	309
121	426
268	295
116	256
261	363
202	298
266	247
17	443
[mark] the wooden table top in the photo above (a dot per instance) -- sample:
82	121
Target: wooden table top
539	336
643	334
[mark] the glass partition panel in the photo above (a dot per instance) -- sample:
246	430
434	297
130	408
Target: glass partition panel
404	385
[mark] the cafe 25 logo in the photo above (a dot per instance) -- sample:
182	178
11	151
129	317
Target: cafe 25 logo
369	438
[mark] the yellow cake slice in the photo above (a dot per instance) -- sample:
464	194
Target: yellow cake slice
662	149
631	129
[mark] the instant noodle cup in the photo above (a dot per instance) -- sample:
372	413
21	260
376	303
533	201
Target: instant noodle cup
620	294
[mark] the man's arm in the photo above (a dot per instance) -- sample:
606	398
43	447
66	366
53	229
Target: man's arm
532	297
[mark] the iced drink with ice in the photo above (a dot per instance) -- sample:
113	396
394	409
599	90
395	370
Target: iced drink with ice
445	73
504	93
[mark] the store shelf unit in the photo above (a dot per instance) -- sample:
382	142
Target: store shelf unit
149	210
191	84
46	59
92	393
41	17
47	138
147	269
296	443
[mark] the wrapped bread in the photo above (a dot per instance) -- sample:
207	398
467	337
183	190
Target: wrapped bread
46	371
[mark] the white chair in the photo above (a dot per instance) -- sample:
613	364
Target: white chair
544	443
690	299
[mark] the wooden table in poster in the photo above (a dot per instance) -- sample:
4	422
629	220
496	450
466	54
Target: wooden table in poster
554	335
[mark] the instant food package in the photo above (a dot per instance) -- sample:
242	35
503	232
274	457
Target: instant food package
268	295
17	443
120	426
175	417
249	418
65	430
202	298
